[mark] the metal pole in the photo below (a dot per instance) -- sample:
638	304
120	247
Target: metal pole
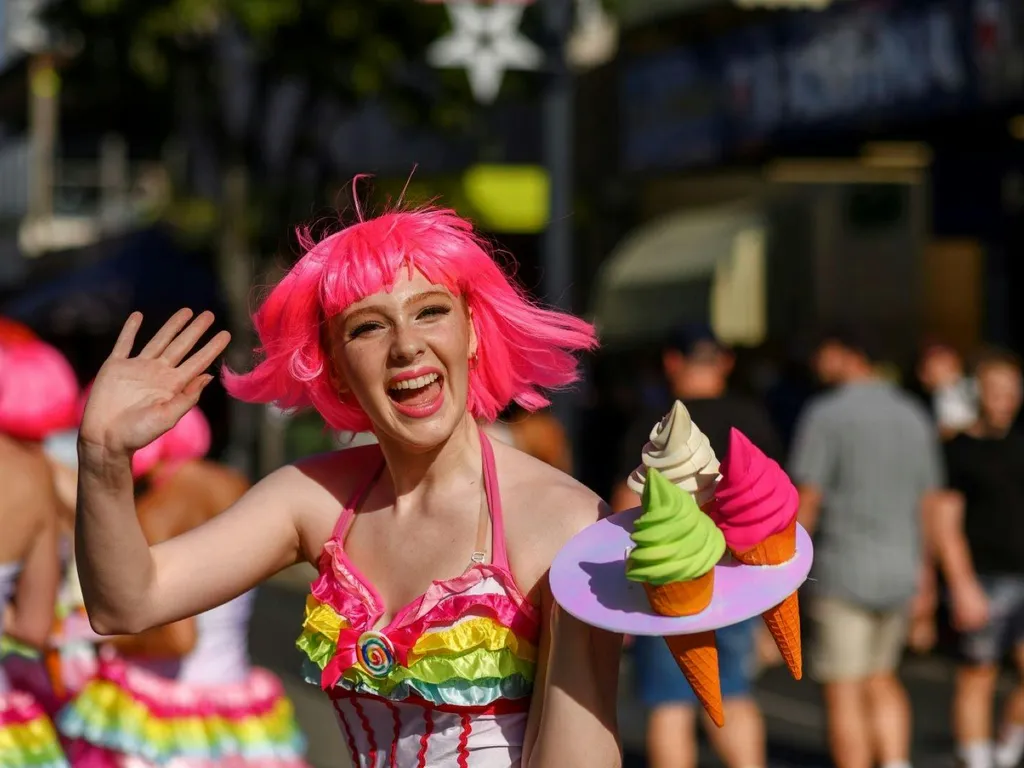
43	105
557	245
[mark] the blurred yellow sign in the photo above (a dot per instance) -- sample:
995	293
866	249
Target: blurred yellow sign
509	198
513	199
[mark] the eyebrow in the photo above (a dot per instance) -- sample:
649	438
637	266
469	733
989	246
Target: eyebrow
416	297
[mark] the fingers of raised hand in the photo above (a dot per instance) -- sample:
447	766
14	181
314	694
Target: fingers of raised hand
170	330
184	341
203	359
189	396
126	338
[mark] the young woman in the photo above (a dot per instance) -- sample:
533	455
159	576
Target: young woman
431	626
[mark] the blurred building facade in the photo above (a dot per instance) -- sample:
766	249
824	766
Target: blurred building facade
785	169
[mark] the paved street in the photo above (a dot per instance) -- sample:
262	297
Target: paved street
795	721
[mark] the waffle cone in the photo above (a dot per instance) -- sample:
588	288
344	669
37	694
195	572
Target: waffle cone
681	598
783	622
777	549
697	657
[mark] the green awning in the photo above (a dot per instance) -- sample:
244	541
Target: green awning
663	274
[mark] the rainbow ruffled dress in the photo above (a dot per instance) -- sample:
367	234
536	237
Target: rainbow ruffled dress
70	662
27	737
208	709
447	682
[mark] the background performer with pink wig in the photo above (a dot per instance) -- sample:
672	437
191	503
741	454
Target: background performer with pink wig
38	395
431	626
184	694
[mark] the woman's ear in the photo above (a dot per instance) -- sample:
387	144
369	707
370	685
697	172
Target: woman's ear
473	340
338	383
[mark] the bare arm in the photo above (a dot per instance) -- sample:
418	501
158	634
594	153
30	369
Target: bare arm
970	608
145	587
927	589
572	719
32	620
171	641
948	540
163	514
576	721
810	507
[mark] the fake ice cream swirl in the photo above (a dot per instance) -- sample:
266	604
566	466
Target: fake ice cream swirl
754	498
675	540
681	452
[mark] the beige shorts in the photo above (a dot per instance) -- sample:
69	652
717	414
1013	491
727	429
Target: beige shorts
851	643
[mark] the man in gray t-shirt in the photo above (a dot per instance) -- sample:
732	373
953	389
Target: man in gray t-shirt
864	457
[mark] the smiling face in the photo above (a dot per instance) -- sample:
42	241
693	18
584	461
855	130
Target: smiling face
404	355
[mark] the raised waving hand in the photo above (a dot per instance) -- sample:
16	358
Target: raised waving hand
136	399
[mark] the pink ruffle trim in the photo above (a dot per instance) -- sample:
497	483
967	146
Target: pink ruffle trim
444	603
257	695
18	708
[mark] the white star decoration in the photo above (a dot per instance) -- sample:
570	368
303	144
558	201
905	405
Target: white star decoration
486	41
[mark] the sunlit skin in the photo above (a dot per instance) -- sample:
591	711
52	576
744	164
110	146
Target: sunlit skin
416	328
418	523
29	519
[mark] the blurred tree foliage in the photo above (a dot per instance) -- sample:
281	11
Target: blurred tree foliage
152	69
352	49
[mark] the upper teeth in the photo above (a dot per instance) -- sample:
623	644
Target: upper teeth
419	381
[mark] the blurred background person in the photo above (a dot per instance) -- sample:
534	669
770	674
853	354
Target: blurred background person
953	395
865	458
183	695
697	367
538	434
979	531
29	575
38	394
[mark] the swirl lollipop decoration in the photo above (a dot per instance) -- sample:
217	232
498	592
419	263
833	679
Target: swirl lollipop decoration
376	653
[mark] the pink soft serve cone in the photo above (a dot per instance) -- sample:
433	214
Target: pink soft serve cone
755	508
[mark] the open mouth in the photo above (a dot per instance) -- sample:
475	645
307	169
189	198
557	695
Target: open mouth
418	396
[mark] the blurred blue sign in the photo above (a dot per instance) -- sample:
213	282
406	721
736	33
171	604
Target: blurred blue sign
815	72
671	104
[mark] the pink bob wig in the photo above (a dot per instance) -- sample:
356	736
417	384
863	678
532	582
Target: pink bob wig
38	387
523	348
189	439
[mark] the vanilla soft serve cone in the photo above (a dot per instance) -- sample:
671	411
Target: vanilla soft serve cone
677	548
682	453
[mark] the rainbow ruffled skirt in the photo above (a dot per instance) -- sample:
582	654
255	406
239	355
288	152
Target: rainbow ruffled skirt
148	719
27	737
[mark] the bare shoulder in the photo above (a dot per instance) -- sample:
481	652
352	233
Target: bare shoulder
543	509
316	488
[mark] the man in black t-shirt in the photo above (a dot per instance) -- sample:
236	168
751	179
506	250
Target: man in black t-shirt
697	368
979	536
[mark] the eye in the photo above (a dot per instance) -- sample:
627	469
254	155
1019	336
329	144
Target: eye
437	310
363	328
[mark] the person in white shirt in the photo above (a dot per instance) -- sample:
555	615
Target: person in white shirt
954	395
